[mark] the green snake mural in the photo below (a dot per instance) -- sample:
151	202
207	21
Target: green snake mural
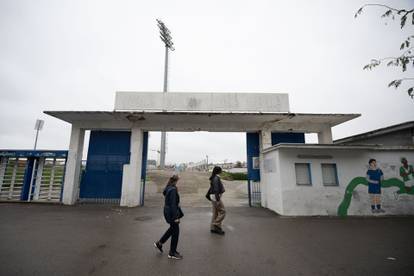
392	182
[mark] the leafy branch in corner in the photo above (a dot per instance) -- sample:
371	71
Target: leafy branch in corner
404	59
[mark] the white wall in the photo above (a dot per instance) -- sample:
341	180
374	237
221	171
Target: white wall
271	179
285	197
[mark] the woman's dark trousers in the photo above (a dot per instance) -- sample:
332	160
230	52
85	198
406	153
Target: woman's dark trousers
173	232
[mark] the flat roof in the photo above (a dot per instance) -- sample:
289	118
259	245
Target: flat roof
337	147
376	132
202	121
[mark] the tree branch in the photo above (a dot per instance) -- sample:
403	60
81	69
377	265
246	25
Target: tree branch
381	5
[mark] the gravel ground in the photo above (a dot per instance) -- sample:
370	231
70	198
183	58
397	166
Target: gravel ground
192	187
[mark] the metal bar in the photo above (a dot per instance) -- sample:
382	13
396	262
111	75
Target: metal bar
163	134
38	182
31	180
63	179
249	192
143	192
3	164
52	179
166	70
254	192
13	178
35	144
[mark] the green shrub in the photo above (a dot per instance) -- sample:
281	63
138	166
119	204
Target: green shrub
233	176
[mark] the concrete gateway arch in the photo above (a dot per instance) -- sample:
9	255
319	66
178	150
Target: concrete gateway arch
139	112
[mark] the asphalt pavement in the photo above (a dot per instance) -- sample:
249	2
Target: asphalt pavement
41	239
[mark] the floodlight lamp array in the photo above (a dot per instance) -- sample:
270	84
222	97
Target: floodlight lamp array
165	35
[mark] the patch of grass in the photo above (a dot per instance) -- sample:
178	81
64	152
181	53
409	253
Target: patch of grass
233	176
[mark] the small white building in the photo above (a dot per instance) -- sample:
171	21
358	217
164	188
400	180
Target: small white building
312	179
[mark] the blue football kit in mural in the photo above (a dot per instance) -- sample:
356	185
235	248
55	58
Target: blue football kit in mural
374	187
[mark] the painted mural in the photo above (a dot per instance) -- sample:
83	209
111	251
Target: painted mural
375	181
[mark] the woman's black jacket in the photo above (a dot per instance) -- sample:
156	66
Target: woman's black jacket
172	210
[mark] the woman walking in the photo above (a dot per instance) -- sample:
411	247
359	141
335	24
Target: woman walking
214	194
172	214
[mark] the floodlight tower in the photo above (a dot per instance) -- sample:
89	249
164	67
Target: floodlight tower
165	36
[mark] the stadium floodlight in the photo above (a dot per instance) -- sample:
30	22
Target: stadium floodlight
165	35
38	127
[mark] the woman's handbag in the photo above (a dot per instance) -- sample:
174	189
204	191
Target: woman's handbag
180	212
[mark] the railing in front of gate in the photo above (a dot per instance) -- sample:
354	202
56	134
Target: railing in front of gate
253	188
38	179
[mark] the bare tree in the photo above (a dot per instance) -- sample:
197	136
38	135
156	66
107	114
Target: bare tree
405	57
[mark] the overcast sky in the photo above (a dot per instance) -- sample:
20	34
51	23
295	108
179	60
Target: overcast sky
74	55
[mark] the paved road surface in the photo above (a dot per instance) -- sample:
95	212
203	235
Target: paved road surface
37	239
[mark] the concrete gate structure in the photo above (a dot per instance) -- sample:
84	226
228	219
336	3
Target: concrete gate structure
140	112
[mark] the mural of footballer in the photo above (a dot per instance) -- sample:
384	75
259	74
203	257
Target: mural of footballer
407	174
374	178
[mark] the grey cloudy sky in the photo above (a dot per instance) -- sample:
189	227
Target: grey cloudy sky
74	55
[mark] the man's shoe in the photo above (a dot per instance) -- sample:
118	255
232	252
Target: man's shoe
175	256
158	245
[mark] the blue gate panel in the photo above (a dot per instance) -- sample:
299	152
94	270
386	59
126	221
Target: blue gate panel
27	179
253	148
253	151
108	152
144	156
288	137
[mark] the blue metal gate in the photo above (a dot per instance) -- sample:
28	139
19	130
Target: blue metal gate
144	166
253	169
102	178
253	153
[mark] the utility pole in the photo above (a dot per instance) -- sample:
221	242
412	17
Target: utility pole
165	36
207	162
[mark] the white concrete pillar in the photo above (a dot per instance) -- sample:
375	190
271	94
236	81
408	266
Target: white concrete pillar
131	178
73	166
325	136
265	141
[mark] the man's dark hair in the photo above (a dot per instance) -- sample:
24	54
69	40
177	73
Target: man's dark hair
217	170
371	160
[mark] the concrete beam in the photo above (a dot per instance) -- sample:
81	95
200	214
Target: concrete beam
173	101
131	179
73	166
